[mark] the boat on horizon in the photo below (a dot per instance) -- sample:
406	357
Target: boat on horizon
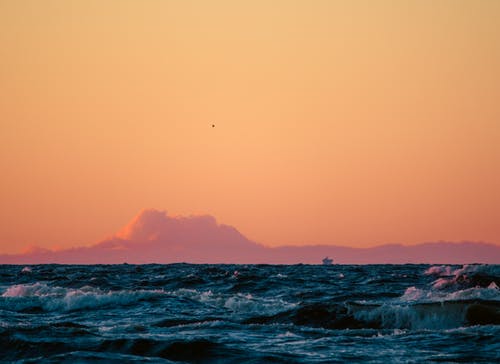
327	261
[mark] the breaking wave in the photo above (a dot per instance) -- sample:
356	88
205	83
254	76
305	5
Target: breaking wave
249	313
25	297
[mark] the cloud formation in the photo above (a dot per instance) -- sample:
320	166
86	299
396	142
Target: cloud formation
154	237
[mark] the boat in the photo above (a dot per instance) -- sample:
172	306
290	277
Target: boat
327	261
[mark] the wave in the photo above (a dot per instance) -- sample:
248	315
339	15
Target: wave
194	350
320	315
418	308
413	294
40	297
451	270
80	356
434	315
469	275
353	315
238	303
36	297
189	350
461	296
231	313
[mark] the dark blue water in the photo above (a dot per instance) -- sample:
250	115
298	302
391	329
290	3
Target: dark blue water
250	313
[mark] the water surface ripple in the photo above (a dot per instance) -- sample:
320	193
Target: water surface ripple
249	313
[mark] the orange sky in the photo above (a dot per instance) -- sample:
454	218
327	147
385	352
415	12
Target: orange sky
337	122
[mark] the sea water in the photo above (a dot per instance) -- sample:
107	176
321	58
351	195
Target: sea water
250	313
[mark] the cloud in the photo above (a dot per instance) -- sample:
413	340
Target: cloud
154	237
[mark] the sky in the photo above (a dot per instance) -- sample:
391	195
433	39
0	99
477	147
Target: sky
353	123
153	236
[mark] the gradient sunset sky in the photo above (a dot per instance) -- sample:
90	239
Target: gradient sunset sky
337	122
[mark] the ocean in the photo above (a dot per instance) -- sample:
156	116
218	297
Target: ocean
184	313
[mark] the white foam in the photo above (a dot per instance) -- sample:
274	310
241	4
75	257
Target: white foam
473	268
35	289
439	270
493	285
394	332
412	294
490	294
448	271
449	277
287	334
279	275
52	298
26	270
237	303
417	308
442	283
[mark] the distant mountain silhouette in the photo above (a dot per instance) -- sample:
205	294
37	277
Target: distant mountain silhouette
154	237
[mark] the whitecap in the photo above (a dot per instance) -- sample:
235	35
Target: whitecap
439	270
239	303
53	298
493	285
